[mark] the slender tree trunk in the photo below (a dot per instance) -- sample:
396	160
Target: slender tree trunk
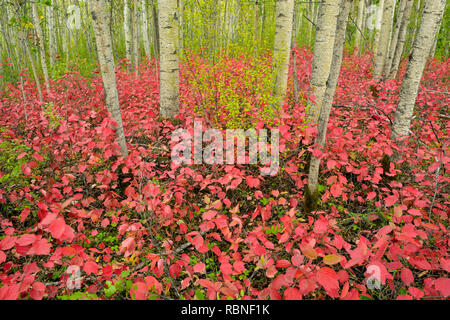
127	30
420	52
394	40
105	57
37	24
378	22
145	38
50	11
135	33
169	65
323	55
401	40
339	41
385	37
155	31
433	48
283	34
359	23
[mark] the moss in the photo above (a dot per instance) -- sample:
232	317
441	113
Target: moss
310	200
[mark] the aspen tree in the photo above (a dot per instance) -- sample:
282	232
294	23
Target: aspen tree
338	48
169	65
359	24
384	39
401	40
323	55
37	25
283	31
107	69
421	48
135	35
127	30
393	45
50	12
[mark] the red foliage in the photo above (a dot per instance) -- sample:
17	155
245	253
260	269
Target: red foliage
83	205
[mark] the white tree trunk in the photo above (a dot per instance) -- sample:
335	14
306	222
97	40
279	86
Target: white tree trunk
50	10
359	24
127	30
384	40
401	40
420	51
323	55
283	34
135	34
339	41
106	61
169	65
37	25
393	45
144	29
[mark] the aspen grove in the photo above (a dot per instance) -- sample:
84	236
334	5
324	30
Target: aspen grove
224	149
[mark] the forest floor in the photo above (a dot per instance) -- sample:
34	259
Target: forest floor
78	221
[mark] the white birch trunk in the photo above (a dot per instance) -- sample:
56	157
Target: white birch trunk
421	48
401	40
37	25
339	41
169	65
283	34
106	61
384	39
323	55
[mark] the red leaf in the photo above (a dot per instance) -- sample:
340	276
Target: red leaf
200	267
7	242
26	239
9	292
390	200
90	267
292	294
416	293
138	291
37	291
2	257
252	182
443	286
407	276
328	278
283	264
42	246
57	227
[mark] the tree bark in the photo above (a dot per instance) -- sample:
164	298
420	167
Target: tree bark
323	55
421	48
384	40
339	41
37	25
283	34
401	40
127	30
359	23
169	65
105	57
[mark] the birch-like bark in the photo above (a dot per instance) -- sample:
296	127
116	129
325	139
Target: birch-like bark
155	30
169	65
421	48
283	34
50	11
105	58
135	35
433	48
401	40
144	29
384	39
127	30
393	45
359	23
37	25
323	55
376	31
339	41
